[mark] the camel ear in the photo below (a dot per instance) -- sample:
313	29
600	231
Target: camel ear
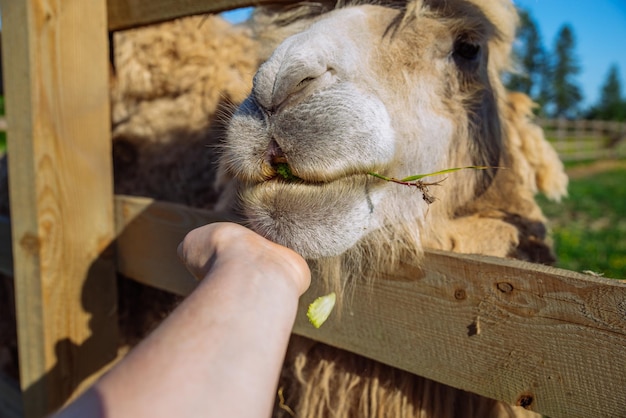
543	169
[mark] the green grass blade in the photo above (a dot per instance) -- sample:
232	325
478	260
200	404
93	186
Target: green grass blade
449	170
380	176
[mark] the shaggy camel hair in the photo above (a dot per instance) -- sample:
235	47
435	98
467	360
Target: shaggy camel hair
398	90
173	86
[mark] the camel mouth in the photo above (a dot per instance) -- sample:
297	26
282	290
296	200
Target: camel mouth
282	174
293	180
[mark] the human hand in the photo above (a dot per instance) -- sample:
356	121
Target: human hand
230	245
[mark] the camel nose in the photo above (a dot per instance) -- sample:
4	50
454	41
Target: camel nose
295	70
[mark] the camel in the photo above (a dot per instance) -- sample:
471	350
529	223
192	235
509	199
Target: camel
393	90
397	88
330	109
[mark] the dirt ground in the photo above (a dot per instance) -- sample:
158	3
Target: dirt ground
595	167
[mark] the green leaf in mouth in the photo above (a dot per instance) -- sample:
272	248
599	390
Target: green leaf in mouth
283	170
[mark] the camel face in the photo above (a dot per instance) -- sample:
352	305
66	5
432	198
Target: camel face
362	89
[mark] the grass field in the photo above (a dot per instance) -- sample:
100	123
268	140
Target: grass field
589	227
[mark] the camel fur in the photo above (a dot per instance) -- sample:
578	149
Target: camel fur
173	87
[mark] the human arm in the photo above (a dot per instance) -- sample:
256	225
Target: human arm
220	352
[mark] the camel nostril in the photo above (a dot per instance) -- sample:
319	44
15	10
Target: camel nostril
275	154
277	165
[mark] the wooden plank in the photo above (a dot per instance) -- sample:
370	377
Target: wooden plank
56	67
501	328
125	14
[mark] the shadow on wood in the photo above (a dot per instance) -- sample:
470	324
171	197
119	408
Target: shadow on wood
76	361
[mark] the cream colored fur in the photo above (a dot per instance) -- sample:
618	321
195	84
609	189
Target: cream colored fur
173	86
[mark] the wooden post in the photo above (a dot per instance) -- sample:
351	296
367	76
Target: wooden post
59	147
125	14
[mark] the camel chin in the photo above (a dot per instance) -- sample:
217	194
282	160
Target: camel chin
311	218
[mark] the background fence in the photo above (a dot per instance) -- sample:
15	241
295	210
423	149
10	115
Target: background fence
577	140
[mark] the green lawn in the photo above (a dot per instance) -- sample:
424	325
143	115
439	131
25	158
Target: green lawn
589	227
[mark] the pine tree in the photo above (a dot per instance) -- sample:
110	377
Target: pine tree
529	56
565	94
611	104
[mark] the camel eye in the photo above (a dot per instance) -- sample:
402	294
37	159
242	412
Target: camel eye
466	50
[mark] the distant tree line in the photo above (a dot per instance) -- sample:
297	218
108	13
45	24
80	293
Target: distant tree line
549	77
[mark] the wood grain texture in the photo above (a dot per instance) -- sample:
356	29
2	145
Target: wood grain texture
125	14
506	329
56	72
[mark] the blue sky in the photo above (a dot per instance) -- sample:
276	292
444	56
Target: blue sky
239	15
600	30
599	27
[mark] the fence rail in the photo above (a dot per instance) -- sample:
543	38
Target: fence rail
586	139
497	327
124	14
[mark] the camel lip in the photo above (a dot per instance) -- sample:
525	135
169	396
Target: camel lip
278	180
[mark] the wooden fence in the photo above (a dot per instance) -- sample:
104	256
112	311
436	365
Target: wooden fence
586	139
501	328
